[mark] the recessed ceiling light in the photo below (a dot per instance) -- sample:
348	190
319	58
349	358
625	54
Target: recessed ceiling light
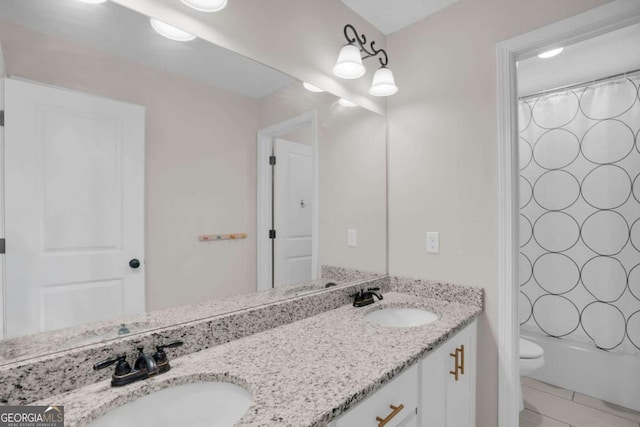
551	53
206	5
311	88
346	103
171	32
93	1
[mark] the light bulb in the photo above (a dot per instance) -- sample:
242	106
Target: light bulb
171	32
206	5
551	53
383	83
349	63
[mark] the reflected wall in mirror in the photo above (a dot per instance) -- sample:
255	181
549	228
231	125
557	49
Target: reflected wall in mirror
126	151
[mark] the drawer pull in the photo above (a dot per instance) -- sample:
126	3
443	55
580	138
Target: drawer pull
395	410
459	362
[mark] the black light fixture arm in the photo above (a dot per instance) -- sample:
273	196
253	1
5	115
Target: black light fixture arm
362	42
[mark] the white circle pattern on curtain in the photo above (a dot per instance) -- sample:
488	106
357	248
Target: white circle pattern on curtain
579	153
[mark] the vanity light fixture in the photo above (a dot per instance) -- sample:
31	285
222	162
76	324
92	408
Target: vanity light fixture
551	53
349	64
93	1
346	103
312	88
171	32
206	5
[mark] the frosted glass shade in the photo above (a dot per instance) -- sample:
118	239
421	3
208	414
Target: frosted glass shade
349	63
206	5
171	32
383	83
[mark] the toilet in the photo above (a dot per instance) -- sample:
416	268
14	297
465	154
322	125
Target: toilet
531	359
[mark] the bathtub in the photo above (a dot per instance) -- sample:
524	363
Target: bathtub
580	367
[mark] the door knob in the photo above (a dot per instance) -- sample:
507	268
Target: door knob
134	263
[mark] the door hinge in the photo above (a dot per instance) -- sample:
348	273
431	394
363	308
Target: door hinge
3	247
2	118
272	234
272	160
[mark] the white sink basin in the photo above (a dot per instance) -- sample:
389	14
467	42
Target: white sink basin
400	317
208	404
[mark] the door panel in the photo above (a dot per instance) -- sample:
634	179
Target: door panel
74	208
293	206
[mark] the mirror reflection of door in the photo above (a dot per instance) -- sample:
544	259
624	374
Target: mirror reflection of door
74	208
292	212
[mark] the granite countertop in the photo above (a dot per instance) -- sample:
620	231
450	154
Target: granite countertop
24	347
305	373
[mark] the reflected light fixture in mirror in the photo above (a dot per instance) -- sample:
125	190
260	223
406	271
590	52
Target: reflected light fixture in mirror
312	88
171	32
349	63
346	103
551	53
206	5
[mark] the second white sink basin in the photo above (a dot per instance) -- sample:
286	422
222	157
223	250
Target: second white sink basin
401	317
217	404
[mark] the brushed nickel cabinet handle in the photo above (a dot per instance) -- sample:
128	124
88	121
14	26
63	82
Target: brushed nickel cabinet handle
394	411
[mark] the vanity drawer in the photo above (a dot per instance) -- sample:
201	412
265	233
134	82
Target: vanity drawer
402	390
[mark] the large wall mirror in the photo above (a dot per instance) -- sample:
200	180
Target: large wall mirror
137	176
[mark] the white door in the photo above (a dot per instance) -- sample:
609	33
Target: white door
293	188
74	208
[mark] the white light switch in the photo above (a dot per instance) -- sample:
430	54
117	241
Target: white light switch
433	242
352	237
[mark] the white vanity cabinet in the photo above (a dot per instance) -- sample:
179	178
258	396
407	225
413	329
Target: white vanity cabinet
396	402
439	391
448	382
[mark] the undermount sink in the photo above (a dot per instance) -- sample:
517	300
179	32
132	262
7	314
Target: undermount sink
401	317
217	404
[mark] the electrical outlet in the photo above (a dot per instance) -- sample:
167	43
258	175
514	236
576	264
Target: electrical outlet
352	237
433	242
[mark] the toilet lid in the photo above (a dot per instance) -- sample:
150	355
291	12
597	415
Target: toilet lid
530	350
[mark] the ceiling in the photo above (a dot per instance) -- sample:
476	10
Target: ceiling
390	16
609	54
127	34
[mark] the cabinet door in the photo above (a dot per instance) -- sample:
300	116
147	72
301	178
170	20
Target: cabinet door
433	380
402	390
460	389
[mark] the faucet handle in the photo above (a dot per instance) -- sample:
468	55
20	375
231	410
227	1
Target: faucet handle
122	366
161	357
105	363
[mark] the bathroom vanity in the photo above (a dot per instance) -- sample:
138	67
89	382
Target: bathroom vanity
437	391
335	368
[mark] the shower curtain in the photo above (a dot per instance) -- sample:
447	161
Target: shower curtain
579	267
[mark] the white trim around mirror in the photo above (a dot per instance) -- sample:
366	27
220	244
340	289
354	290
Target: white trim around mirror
601	20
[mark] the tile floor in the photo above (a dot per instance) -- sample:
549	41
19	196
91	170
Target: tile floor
550	406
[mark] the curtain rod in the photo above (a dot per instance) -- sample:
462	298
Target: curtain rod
574	85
